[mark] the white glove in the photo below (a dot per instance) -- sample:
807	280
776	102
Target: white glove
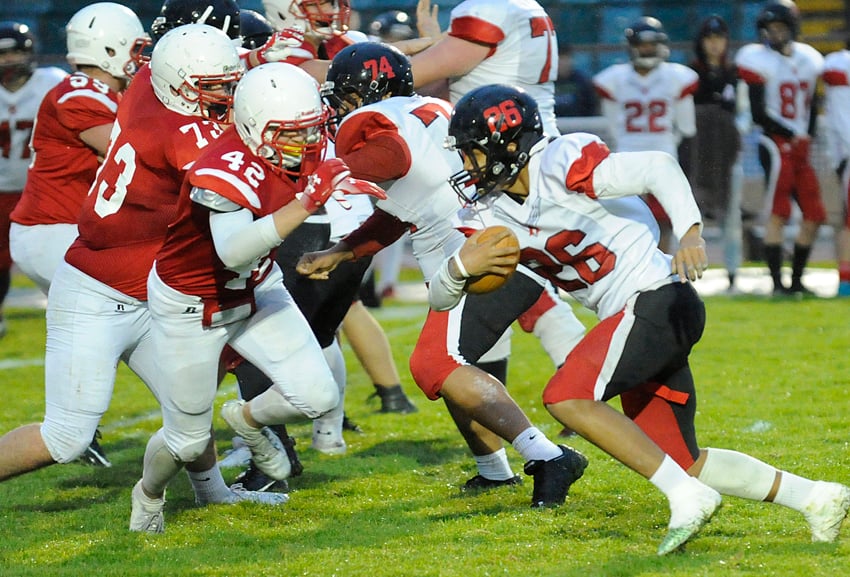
285	46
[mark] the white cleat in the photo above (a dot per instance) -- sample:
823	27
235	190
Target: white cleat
825	510
237	457
268	457
146	515
328	442
694	506
239	494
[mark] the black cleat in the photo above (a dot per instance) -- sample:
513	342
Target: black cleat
553	478
481	483
394	400
349	425
288	443
94	454
252	479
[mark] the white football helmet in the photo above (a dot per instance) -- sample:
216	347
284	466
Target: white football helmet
280	116
194	70
105	35
296	14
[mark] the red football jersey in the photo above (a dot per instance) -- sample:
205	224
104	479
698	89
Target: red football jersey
187	261
64	166
134	197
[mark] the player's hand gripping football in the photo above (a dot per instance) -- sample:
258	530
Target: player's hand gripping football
690	260
333	179
488	255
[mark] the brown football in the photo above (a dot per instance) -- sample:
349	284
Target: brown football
489	282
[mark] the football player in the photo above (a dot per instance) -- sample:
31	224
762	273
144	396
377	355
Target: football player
22	87
97	312
214	281
782	76
648	102
70	138
390	135
573	206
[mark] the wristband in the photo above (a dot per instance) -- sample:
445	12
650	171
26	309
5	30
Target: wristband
460	268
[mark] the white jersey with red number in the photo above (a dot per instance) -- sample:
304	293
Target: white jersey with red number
523	50
187	261
414	128
134	197
17	117
64	167
789	81
836	76
648	112
593	240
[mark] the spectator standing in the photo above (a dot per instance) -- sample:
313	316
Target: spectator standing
713	156
781	75
574	92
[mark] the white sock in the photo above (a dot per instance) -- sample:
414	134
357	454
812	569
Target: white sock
533	445
494	466
669	476
793	491
209	486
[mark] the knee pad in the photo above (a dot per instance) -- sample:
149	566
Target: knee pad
66	444
184	447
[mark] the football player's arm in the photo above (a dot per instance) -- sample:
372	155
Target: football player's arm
685	118
447	58
633	173
97	138
758	108
813	115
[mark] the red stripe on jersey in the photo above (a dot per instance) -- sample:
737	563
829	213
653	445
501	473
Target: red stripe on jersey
689	89
529	318
603	93
474	29
580	175
835	78
467	231
371	146
750	76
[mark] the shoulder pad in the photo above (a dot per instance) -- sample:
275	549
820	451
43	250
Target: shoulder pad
213	200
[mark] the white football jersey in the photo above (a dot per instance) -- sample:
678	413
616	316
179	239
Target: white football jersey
836	77
524	50
582	226
651	112
789	81
423	196
18	111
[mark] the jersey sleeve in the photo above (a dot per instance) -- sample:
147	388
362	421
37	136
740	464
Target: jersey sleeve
605	83
479	22
574	158
372	147
380	230
748	62
80	110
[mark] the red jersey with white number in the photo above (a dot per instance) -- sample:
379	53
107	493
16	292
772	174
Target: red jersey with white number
593	239
64	166
789	81
17	117
187	261
836	77
134	197
523	50
400	141
651	112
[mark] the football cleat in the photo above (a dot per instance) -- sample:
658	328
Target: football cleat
280	437
694	505
146	517
271	459
240	494
252	479
94	454
349	425
482	483
825	510
394	399
553	478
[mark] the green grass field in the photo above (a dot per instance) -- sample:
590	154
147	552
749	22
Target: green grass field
773	379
